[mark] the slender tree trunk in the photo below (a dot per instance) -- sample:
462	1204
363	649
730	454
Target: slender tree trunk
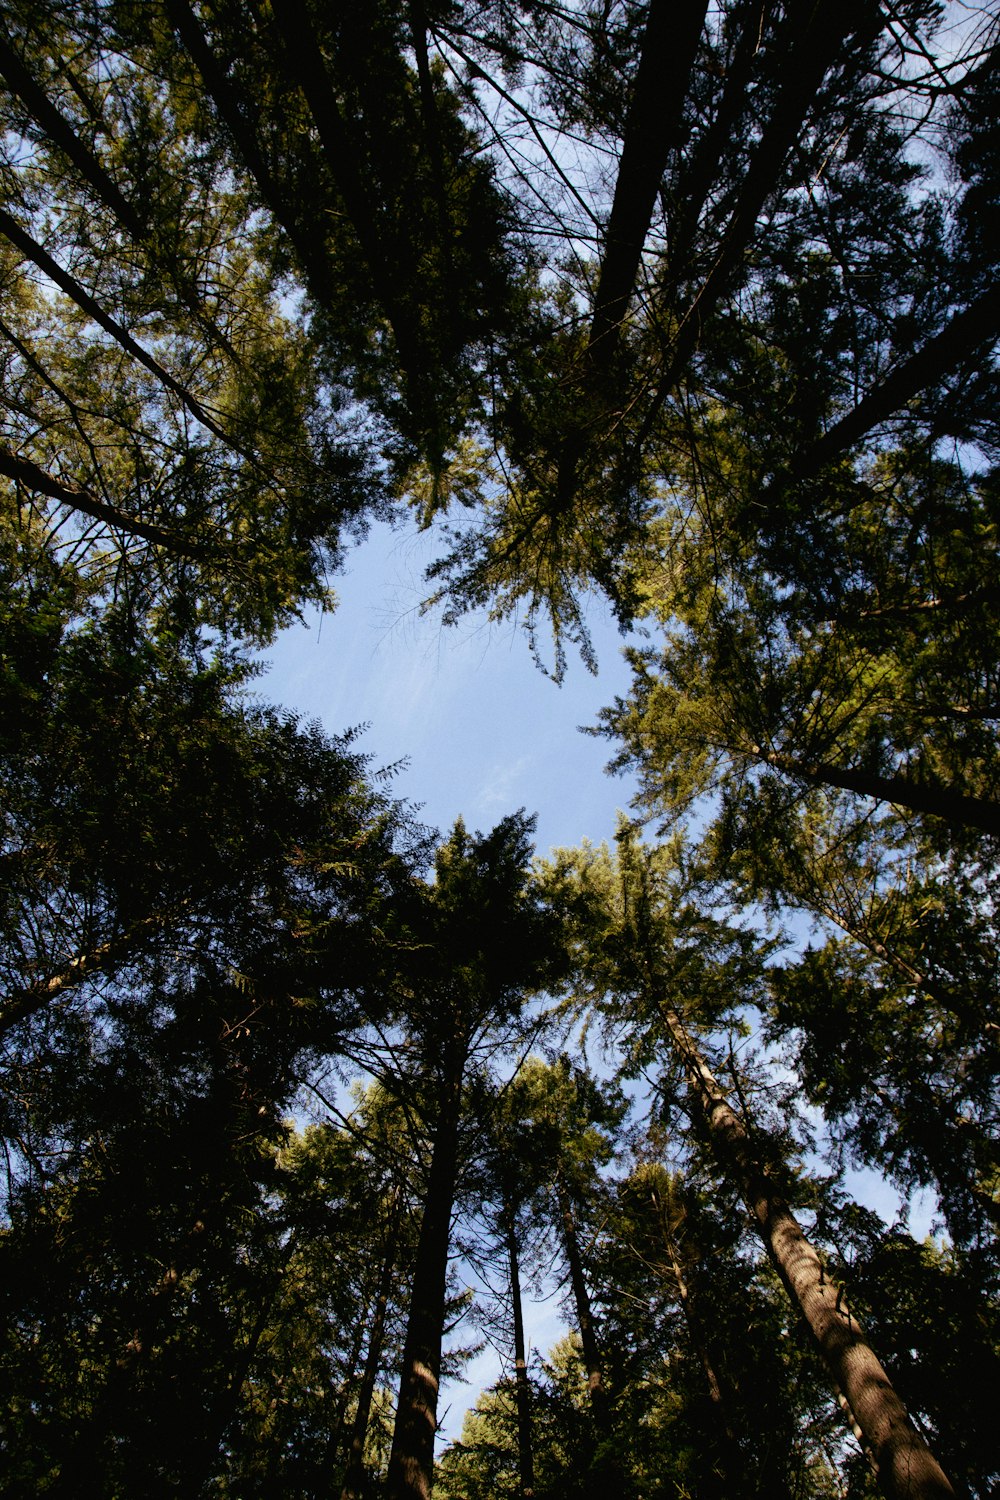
814	35
34	478
734	1474
692	1323
411	1462
354	1478
902	791
22	240
346	162
904	1465
21	1003
522	1390
584	1313
751	20
331	1448
960	339
652	129
59	129
239	116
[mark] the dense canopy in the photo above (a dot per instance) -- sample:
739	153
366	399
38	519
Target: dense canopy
692	306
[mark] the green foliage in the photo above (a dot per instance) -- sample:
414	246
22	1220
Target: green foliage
705	325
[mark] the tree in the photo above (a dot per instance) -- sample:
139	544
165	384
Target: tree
125	740
790	258
646	935
696	307
479	939
192	915
869	679
556	1133
166	413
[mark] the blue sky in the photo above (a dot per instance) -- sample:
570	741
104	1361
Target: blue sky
484	731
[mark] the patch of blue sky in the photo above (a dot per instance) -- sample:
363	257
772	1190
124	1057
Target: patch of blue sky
481	730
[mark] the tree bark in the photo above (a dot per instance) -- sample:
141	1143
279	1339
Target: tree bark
24	1002
522	1390
584	1313
961	338
61	131
353	1486
939	802
904	1465
29	247
651	132
23	471
815	33
411	1461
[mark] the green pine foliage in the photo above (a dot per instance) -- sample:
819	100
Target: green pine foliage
692	307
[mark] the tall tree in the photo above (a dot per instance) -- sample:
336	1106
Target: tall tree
653	960
478	940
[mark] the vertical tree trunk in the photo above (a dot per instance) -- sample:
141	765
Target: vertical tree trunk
734	1475
355	1474
904	1465
692	1323
584	1313
522	1391
331	1449
411	1462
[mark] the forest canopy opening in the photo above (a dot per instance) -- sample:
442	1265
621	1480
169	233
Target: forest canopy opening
693	307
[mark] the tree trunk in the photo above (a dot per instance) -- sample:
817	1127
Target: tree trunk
734	1475
23	471
584	1313
346	162
238	116
652	129
60	130
814	36
661	86
961	338
751	19
331	1448
22	240
695	1331
354	1477
21	1003
937	801
522	1391
411	1462
904	1465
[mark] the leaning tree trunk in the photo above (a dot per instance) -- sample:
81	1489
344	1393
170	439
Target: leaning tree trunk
522	1391
904	1465
953	807
411	1461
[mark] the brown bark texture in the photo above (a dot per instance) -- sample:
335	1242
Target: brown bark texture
904	1466
411	1462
